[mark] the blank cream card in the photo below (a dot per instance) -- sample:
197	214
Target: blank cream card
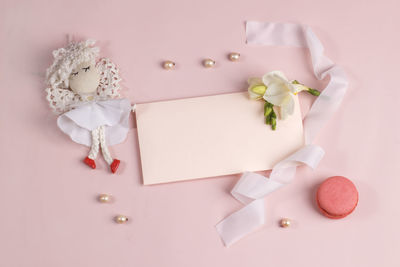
211	136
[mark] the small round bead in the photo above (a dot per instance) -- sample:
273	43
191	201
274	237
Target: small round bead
121	219
168	65
105	198
234	56
285	222
208	63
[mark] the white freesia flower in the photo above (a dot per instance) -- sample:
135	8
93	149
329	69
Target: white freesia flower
277	91
280	92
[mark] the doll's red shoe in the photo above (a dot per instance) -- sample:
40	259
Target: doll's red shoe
88	161
114	165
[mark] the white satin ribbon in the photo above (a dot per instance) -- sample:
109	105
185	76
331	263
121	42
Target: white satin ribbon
252	188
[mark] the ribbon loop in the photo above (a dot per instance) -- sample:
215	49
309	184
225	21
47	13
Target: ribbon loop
252	186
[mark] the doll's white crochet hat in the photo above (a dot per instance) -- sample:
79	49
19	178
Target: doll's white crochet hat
67	58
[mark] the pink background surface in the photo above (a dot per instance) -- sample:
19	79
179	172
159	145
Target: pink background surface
49	215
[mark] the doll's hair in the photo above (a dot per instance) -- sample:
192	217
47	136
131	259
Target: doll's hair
68	58
61	98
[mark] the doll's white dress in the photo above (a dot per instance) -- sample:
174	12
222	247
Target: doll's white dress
113	114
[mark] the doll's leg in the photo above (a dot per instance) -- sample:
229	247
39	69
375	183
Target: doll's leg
114	163
94	149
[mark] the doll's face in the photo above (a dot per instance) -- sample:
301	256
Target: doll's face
84	79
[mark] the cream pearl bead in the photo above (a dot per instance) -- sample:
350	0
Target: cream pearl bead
120	219
105	198
285	222
208	63
168	65
234	56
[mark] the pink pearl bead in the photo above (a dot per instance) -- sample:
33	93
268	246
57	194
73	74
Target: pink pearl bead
209	63
168	65
234	56
120	219
105	198
285	222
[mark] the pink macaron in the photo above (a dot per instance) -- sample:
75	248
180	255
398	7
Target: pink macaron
337	197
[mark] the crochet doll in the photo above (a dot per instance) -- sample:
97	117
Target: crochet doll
84	92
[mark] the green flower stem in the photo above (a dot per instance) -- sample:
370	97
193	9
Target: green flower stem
311	91
314	92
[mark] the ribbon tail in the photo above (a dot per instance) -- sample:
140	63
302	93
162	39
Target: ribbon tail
242	222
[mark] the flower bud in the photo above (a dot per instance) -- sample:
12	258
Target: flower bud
259	89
